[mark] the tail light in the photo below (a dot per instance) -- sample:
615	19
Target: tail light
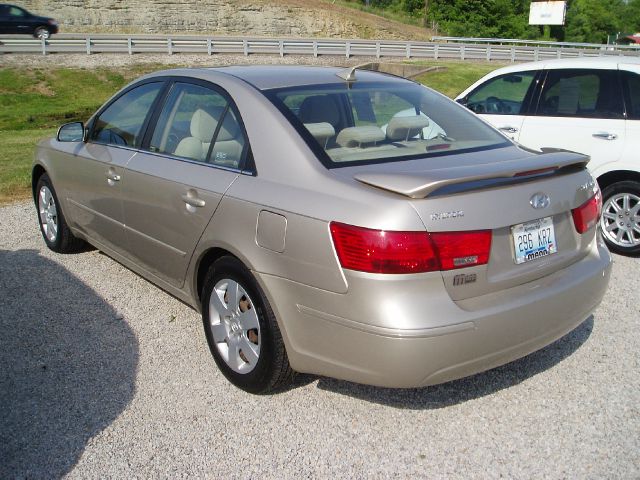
588	214
381	251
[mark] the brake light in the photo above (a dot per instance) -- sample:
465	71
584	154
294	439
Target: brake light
462	249
381	251
588	214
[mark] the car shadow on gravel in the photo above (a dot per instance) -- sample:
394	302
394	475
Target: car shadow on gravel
68	365
469	388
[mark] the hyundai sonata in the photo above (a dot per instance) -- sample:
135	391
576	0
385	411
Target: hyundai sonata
318	227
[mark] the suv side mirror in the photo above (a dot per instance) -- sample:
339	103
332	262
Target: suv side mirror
71	132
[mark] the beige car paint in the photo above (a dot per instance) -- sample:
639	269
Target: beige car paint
391	330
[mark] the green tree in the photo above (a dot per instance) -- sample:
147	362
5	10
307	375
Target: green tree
592	20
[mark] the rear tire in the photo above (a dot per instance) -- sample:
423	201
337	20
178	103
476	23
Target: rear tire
241	329
53	226
620	221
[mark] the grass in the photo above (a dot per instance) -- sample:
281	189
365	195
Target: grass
34	102
456	76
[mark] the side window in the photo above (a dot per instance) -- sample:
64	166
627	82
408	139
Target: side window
581	93
198	123
632	87
230	143
121	123
16	12
503	95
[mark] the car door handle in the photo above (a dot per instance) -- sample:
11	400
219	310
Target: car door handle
508	129
112	177
605	135
193	200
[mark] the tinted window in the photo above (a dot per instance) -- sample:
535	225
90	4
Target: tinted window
198	123
368	123
16	12
503	95
121	123
632	86
581	93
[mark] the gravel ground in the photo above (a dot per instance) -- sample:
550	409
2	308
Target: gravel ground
105	376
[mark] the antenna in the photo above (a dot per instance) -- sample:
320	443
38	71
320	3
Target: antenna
349	74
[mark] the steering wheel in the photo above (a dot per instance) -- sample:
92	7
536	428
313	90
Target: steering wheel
494	105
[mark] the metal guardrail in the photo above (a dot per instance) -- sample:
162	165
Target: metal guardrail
536	43
135	44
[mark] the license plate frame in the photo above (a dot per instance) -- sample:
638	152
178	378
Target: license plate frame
533	240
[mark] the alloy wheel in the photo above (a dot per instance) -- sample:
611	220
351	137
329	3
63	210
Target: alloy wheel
234	326
620	222
48	214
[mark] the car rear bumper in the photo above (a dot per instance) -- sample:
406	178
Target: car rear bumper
441	340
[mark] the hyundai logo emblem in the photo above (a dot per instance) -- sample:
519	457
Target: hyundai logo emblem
539	200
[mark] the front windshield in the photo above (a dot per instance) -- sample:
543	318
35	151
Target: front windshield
371	123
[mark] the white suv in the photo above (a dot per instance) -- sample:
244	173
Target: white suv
587	105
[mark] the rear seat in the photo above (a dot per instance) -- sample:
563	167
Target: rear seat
321	131
402	129
228	148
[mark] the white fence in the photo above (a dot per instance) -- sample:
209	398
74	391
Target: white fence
481	49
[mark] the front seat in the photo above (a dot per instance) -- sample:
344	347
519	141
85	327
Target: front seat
320	109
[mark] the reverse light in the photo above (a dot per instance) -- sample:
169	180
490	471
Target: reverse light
397	252
588	214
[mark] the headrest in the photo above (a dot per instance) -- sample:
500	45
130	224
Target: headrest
203	125
404	128
357	136
322	132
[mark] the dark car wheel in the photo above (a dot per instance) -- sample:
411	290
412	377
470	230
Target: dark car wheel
55	231
42	32
241	329
620	222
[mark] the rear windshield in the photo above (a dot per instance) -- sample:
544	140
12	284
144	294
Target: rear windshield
372	123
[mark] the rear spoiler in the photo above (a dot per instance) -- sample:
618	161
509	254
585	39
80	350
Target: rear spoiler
422	184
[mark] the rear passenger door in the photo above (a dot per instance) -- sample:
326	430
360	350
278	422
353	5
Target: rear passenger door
579	110
194	150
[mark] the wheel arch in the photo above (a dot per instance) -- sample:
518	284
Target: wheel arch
37	172
614	176
205	261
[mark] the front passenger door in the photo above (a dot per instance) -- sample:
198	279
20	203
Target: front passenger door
96	168
503	101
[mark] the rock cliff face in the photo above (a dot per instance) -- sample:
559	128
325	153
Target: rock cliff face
217	17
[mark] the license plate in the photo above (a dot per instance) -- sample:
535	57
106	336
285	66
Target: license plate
533	240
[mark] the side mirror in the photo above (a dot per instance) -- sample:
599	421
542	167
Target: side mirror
71	132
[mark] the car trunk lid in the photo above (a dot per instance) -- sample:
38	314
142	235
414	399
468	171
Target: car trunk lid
533	196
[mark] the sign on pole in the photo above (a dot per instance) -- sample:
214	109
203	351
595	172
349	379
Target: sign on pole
547	13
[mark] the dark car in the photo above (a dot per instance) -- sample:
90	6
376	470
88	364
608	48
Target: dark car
15	19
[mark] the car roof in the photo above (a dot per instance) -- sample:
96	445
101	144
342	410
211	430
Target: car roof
607	62
267	77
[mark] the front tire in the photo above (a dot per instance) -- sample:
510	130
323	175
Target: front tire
42	32
241	329
53	226
620	221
